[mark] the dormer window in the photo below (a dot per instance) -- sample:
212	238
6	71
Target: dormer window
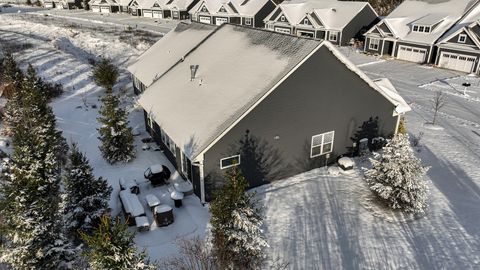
282	18
462	38
421	28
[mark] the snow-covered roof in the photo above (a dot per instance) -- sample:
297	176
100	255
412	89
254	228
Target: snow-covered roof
333	14
470	20
169	50
103	2
232	7
237	67
391	93
440	14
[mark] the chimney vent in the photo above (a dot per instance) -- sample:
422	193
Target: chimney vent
193	71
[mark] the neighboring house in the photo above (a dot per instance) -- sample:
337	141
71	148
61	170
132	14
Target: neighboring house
336	21
65	4
299	98
411	31
48	4
243	12
181	40
166	9
134	8
104	6
459	48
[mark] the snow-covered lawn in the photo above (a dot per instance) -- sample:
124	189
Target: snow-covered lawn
61	55
313	221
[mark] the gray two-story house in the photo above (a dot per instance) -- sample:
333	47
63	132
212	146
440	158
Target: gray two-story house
336	21
413	29
249	13
459	48
267	103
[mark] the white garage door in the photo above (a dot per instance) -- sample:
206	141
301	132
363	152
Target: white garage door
412	54
105	9
147	13
204	19
220	21
96	9
48	5
458	62
157	14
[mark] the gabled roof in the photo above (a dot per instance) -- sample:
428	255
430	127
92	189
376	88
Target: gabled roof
238	67
465	24
441	14
169	50
332	14
103	2
240	7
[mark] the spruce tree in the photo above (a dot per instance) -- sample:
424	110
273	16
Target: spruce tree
31	192
86	197
397	176
236	226
115	134
111	246
105	74
11	71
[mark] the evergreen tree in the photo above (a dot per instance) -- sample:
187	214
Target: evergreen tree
86	197
397	176
237	237
115	134
31	192
105	74
111	246
11	71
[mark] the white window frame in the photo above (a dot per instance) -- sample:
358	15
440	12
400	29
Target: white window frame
283	30
462	38
282	18
248	21
306	21
375	42
322	144
330	35
229	166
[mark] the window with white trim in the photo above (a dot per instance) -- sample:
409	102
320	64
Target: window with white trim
332	36
282	30
229	162
421	29
282	18
374	44
248	21
306	22
322	144
462	38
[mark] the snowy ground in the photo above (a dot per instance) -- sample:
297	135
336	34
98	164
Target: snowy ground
61	54
313	220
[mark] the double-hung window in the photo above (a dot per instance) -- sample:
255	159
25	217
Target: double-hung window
332	36
462	38
248	21
374	44
322	144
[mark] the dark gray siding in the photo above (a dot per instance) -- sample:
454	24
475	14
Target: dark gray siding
468	41
322	95
235	20
476	29
263	13
360	23
384	28
320	34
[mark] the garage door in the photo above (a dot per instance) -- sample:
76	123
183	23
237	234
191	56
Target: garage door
105	9
147	13
157	14
48	5
204	19
220	21
458	62
412	54
96	9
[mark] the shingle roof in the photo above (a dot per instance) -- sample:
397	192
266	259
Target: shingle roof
443	13
333	14
237	67
470	19
169	50
241	7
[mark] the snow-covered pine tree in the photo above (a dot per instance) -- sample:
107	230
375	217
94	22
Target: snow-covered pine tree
11	71
115	134
31	209
236	226
86	197
397	176
105	74
111	246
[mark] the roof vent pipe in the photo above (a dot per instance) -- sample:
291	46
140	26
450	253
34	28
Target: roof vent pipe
193	71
